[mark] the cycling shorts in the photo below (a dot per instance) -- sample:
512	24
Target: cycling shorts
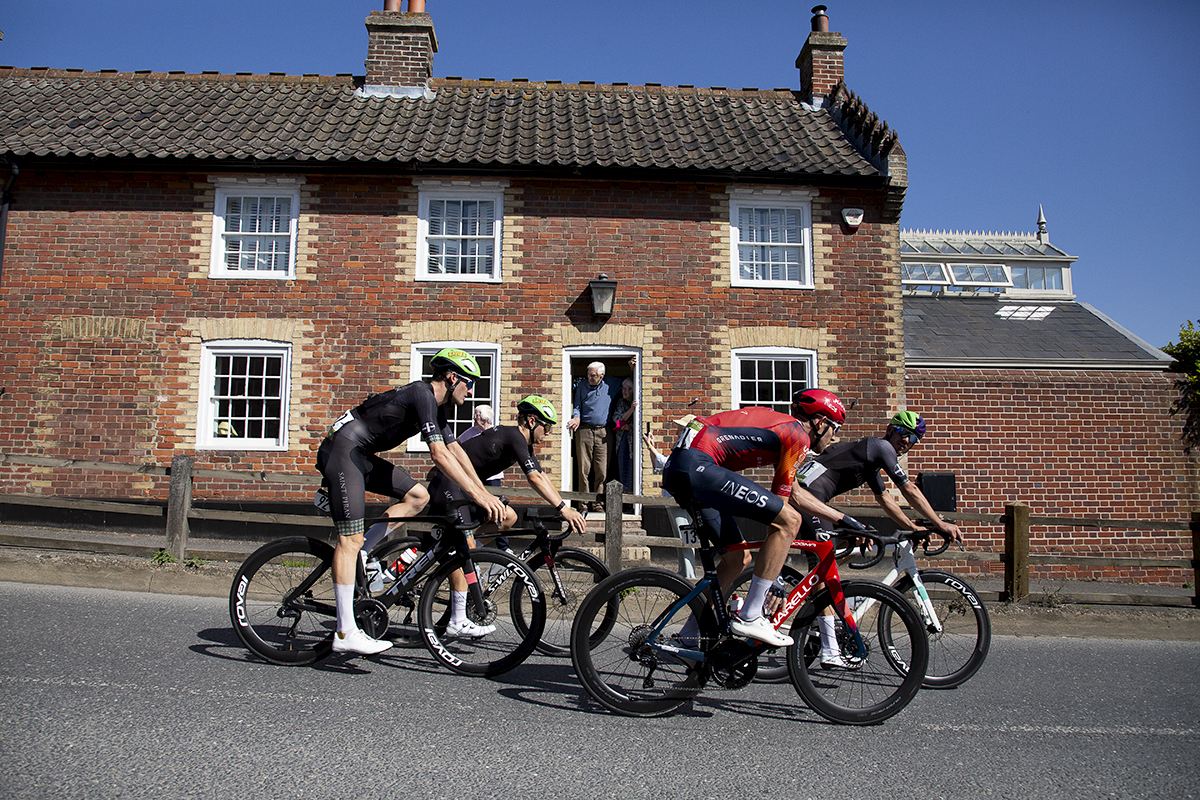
694	478
443	493
350	472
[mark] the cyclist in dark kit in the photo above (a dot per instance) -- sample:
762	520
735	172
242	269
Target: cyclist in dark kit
347	459
492	451
704	470
848	465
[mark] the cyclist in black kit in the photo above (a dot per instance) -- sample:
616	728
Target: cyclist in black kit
348	461
848	465
493	451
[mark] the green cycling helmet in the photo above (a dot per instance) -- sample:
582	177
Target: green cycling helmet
536	404
909	421
455	360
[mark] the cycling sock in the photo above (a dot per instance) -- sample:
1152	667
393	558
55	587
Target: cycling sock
752	607
828	635
458	606
375	534
343	595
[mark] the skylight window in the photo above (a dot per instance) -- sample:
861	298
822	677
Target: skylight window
924	274
980	275
1031	313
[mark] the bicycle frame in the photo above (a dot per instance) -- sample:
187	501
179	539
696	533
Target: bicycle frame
905	563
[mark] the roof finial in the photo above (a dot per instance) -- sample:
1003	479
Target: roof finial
1042	236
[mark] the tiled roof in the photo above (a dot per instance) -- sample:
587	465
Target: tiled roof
914	244
314	119
986	332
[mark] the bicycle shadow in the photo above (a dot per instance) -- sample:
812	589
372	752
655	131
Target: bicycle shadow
223	643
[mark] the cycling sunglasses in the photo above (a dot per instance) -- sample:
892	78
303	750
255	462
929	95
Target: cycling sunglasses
832	425
911	437
470	382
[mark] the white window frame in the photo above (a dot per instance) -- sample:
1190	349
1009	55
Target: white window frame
943	281
763	353
206	423
420	349
800	201
483	194
1004	283
218	267
1065	292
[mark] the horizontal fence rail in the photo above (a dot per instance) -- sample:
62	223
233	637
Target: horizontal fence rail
1017	519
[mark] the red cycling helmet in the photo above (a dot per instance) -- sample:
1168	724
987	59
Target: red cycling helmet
818	402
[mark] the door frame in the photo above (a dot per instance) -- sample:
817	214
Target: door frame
588	353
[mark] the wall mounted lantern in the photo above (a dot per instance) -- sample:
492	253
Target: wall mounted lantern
604	295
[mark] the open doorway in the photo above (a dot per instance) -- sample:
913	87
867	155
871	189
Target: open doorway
624	443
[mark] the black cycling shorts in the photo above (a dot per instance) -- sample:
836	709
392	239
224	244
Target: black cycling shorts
694	478
350	472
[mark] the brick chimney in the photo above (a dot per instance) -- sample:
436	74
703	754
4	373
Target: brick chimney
400	48
820	60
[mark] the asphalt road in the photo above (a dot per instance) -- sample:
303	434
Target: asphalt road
113	694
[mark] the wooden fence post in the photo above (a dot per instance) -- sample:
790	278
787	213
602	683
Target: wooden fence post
1196	558
614	530
179	503
1016	552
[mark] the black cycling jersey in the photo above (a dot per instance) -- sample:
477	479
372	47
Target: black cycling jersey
384	420
848	465
491	452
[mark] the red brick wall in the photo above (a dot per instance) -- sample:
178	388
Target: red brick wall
1068	444
120	246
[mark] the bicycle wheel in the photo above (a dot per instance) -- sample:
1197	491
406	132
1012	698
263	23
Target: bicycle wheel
281	602
772	664
620	669
579	571
873	689
402	610
511	642
959	650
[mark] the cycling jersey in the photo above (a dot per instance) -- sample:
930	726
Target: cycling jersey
492	451
848	465
347	457
702	469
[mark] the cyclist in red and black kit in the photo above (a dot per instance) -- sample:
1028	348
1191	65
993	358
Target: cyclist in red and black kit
347	459
703	471
848	465
493	451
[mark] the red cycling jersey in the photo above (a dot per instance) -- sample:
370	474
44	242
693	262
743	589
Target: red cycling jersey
755	437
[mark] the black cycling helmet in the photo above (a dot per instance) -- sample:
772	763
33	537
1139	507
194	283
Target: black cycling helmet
450	359
538	406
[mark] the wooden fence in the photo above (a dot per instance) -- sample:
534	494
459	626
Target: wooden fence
1016	519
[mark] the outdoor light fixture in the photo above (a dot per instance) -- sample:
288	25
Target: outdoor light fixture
604	295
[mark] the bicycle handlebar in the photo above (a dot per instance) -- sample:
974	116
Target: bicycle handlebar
921	537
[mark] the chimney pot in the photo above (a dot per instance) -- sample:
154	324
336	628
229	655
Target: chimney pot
391	5
416	6
820	22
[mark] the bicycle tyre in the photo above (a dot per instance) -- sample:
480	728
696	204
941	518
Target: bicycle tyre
772	664
579	572
960	649
402	610
511	642
296	632
875	689
618	669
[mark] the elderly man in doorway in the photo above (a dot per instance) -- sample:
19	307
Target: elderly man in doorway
589	423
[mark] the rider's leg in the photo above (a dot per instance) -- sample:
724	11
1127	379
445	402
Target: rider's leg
770	561
458	581
409	506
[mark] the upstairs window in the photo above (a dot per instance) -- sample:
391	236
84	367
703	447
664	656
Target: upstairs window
254	232
772	241
769	376
459	235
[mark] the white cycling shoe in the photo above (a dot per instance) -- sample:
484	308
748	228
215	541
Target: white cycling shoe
358	642
468	629
760	629
837	661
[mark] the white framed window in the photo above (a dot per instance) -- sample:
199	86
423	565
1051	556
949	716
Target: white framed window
244	387
980	277
772	239
254	229
769	376
459	234
485	392
923	274
1041	279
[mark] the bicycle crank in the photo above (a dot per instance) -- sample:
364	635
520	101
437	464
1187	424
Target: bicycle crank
371	616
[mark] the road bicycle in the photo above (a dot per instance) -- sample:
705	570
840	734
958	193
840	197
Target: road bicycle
282	605
567	574
641	666
956	620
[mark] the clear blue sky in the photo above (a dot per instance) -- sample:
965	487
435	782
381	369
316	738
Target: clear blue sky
1091	109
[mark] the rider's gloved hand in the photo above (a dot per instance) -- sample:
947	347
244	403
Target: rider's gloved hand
851	523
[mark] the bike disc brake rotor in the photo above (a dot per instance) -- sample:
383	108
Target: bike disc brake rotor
371	616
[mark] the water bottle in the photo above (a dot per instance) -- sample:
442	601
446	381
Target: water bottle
735	605
399	565
775	595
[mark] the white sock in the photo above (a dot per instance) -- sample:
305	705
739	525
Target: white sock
829	644
458	606
374	535
755	595
343	595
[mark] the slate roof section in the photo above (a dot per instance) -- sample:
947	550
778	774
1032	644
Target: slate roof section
58	113
970	332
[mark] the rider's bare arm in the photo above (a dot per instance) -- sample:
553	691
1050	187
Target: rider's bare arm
917	500
545	488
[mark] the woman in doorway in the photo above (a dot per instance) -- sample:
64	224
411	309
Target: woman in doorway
623	410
